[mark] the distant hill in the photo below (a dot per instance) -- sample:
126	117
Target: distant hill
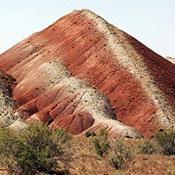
171	59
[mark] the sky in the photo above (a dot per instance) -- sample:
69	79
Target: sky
150	21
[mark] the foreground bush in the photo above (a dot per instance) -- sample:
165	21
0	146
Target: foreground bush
148	147
166	140
33	150
121	154
101	143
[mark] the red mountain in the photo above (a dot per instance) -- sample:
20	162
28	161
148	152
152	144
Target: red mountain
83	74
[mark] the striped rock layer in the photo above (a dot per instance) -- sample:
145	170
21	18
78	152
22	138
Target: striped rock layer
83	74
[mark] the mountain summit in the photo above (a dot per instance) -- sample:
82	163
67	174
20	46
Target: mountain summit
83	74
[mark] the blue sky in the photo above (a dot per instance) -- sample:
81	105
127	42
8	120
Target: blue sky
150	21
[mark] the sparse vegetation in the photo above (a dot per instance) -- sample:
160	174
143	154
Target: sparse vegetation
40	150
101	142
121	154
166	140
148	147
33	150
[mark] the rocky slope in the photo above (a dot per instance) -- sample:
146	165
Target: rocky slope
8	116
83	74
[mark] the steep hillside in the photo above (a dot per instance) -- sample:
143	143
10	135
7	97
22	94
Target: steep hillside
82	73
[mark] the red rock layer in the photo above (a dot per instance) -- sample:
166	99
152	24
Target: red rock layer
67	102
139	83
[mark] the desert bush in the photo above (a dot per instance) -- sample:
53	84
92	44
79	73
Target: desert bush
33	150
121	154
148	147
90	134
101	142
166	140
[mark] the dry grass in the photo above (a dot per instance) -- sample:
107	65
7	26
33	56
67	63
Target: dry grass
80	158
154	164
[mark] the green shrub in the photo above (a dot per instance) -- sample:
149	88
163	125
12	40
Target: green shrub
121	154
101	142
33	150
147	147
166	140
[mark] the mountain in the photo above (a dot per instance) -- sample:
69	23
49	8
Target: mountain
83	74
171	59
